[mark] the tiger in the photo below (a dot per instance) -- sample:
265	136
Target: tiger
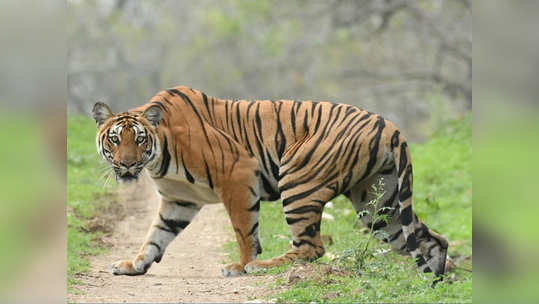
201	150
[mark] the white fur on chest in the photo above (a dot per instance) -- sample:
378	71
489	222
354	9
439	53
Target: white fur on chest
176	188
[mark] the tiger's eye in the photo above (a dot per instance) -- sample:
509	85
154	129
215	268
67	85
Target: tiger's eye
141	139
114	139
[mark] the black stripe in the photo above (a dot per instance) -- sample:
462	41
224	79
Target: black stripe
205	99
259	122
252	190
161	105
405	189
165	162
188	175
309	155
379	224
422	231
268	188
166	100
293	119
395	236
186	204
257	246
395	139
261	153
156	246
322	203
302	242
305	122
310	230
253	229
434	245
280	140
373	146
238	119
165	229
174	225
176	157
255	207
232	121
411	242
304	209
406	216
305	194
274	167
291	221
210	182
188	101
403	160
332	120
421	261
222	155
318	120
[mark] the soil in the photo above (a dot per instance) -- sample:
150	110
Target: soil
190	270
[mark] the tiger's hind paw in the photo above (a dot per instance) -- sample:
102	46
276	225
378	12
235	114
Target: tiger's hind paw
232	270
255	266
125	268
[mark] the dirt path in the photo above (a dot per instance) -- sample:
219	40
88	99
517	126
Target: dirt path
190	270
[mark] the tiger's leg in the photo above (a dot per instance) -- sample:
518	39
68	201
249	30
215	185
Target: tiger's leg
172	218
432	246
428	248
390	228
303	215
243	209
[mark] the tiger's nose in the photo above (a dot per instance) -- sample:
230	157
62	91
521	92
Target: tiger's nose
127	163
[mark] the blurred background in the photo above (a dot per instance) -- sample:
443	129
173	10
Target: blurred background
408	60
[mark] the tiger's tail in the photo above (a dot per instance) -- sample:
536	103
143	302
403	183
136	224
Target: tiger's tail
428	248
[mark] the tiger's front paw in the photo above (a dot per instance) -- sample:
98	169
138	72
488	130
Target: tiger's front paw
125	268
232	270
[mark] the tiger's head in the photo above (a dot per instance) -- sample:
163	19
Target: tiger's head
128	141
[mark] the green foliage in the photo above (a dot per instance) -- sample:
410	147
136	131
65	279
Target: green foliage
359	254
86	192
368	271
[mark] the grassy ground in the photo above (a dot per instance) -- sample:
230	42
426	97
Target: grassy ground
442	199
86	195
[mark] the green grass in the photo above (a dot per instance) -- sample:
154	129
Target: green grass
442	199
86	193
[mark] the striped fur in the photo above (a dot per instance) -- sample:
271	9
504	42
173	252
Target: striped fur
201	150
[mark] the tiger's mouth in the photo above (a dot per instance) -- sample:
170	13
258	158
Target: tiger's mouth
127	178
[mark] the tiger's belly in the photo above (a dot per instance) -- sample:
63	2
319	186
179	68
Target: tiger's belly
183	190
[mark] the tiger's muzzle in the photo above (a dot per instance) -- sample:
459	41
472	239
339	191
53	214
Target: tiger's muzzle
127	172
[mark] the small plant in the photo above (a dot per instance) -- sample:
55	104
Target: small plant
363	251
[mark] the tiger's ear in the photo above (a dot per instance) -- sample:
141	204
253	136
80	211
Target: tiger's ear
153	114
101	112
